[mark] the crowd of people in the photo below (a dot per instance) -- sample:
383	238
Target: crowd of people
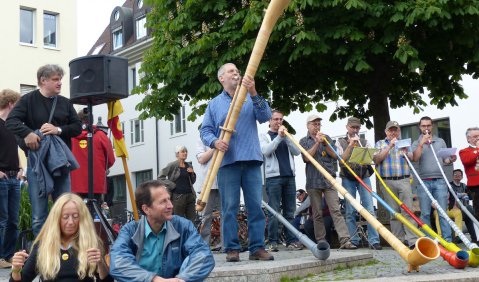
164	242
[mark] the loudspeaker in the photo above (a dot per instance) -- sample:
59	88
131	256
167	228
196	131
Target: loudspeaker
98	79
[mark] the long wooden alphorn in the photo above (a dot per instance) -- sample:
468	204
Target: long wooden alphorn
458	259
426	249
274	11
208	182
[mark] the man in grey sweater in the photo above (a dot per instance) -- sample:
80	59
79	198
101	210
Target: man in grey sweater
279	152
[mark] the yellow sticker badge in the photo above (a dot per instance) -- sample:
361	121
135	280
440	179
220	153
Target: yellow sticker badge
65	256
82	144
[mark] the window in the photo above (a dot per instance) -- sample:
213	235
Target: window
441	128
117	38
136	127
139	4
178	125
49	30
132	77
119	188
27	20
25	88
98	49
140	27
143	176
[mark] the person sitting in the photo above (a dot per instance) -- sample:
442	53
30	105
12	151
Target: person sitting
66	249
160	245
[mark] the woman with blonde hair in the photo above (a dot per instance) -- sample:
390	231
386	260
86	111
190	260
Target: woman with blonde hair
66	249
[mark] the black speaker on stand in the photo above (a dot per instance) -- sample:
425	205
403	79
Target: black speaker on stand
96	80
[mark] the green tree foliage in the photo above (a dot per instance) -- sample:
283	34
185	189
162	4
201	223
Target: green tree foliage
374	55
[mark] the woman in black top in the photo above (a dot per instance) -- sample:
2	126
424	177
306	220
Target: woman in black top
180	177
66	249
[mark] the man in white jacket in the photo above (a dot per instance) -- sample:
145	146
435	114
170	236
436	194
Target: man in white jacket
279	152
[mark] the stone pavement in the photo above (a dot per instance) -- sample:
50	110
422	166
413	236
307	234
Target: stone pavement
357	265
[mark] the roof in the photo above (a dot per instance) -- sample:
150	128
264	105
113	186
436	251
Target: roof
129	13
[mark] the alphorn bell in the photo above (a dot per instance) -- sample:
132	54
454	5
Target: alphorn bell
425	250
320	251
274	11
473	248
458	259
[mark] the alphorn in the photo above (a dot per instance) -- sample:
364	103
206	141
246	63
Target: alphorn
273	12
458	260
453	193
474	249
425	250
205	193
320	251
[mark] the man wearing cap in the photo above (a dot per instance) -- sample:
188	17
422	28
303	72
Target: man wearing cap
317	184
431	174
345	146
278	152
394	170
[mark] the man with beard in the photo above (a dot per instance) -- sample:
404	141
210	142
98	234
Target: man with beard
430	173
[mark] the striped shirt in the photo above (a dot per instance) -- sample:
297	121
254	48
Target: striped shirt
394	165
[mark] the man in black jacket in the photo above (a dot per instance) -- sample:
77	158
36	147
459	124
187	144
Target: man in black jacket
32	113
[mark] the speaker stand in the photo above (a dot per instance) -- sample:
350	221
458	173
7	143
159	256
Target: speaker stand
90	201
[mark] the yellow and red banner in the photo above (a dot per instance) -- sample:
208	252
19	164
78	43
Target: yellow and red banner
114	110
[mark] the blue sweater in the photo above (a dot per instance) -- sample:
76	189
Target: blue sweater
244	143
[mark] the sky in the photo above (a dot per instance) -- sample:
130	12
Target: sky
93	17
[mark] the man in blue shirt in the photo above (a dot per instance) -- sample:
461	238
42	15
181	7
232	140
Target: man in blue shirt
160	245
241	165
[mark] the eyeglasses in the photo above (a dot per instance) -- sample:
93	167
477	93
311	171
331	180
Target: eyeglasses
315	123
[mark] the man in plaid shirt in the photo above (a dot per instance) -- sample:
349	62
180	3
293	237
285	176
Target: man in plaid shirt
394	170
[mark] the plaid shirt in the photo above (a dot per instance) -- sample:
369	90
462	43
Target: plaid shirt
394	165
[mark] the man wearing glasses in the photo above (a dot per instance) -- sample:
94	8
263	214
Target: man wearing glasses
345	147
278	152
317	184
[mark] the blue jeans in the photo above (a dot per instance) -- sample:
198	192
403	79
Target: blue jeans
367	202
438	189
281	192
40	204
231	178
9	209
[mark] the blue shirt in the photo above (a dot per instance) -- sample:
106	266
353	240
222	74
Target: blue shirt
244	143
152	253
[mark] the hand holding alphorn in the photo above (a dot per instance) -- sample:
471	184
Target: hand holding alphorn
274	11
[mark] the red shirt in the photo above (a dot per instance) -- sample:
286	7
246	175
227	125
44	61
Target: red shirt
469	160
103	158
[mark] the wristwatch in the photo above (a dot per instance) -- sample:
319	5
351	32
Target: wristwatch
59	130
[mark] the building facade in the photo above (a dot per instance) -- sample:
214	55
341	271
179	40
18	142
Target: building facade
35	33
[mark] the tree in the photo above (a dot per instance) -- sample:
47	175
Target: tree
372	54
